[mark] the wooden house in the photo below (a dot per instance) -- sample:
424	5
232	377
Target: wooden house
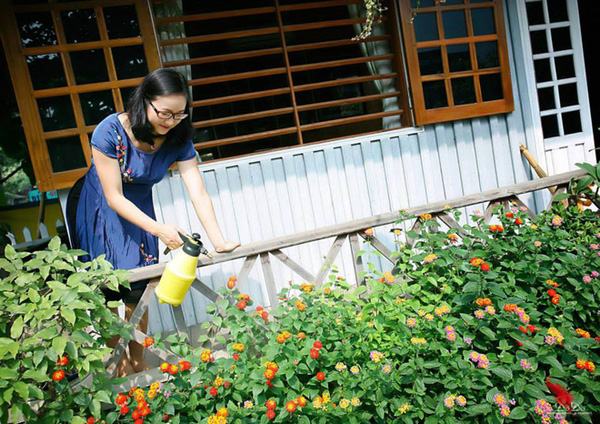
301	123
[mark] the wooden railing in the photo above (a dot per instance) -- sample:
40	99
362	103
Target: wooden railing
350	231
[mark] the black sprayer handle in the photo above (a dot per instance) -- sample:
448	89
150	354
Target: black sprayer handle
196	238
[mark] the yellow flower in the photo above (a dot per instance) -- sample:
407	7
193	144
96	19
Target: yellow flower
404	408
344	403
355	401
218	382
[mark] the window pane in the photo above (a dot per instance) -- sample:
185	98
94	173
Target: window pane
430	61
539	42
435	94
535	13
36	29
571	122
126	93
564	67
459	58
487	54
46	71
542	70
550	126
463	90
546	98
561	39
568	95
80	25
452	2
56	113
96	106
421	3
121	22
130	62
455	25
89	66
66	154
426	27
557	10
491	87
483	21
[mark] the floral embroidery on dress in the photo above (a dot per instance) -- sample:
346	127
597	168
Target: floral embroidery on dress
122	157
148	259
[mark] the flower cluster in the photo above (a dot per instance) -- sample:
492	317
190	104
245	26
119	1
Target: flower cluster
231	282
451	401
479	263
376	356
220	417
582	333
452	237
543	409
500	400
300	305
293	404
552	283
307	287
556	220
175	368
418	341
554	336
520	312
554	296
316	347
430	258
263	314
59	374
525	364
148	341
206	356
582	364
450	334
340	366
425	216
411	322
283	336
270	372
480	359
442	310
496	228
271	405
404	408
387	278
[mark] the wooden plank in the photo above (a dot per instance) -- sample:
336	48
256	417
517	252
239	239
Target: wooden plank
180	324
357	225
246	268
269	280
561	189
520	204
377	244
295	266
487	215
329	258
357	260
240	97
450	222
202	288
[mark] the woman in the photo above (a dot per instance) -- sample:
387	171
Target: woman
131	152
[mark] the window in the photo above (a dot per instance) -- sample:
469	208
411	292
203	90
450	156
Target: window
71	66
457	58
270	74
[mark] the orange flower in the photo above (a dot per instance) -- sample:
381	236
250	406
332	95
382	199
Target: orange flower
121	399
205	355
290	407
241	305
425	216
269	374
301	336
280	338
223	412
453	238
476	261
552	283
581	364
149	341
271	404
273	366
58	375
301	401
589	365
300	305
62	361
173	369
164	367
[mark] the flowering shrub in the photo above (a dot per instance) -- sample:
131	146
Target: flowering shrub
53	328
462	330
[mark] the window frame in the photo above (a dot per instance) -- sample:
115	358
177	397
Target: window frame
451	112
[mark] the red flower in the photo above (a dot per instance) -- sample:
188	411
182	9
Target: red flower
555	299
314	353
230	284
62	361
485	267
270	414
551	292
301	401
290	407
236	356
271	404
91	420
213	391
124	409
138	421
317	345
149	341
320	376
241	305
226	384
136	414
259	309
524	330
173	369
164	367
518	221
121	399
265	315
58	375
532	328
510	215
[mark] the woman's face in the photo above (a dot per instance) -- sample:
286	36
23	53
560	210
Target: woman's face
171	104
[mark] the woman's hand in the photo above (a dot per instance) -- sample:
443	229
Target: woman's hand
169	235
227	246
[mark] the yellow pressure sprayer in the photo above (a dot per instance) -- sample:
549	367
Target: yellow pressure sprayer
180	271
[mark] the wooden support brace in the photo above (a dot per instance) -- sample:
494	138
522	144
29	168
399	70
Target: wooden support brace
451	222
180	324
269	279
356	260
379	246
487	215
293	265
246	268
334	250
561	189
202	288
410	242
520	204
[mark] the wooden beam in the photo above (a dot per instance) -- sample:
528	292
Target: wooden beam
246	268
202	288
293	265
356	260
379	246
328	260
269	280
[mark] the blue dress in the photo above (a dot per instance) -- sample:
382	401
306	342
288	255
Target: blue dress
99	229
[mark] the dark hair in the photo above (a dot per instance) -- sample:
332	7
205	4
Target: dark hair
160	82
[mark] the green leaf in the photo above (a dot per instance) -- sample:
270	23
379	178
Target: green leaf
17	328
68	315
36	375
22	389
517	413
8	373
551	360
504	373
589	168
489	333
58	344
561	196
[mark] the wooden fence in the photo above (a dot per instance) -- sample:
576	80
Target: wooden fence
264	252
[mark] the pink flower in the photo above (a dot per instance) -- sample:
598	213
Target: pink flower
490	310
504	410
411	322
557	220
525	364
537	243
587	279
479	314
594	246
595	274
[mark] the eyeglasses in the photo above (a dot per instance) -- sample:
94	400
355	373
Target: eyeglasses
167	115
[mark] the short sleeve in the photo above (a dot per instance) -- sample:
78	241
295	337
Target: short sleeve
104	137
186	152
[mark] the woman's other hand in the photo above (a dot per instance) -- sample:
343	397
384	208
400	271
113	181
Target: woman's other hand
169	235
227	246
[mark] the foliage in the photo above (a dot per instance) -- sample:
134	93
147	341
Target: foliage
484	329
53	328
374	10
583	191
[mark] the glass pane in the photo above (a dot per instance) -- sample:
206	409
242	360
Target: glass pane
452	2
463	90
535	13
539	42
435	94
483	21
459	58
121	22
567	94
96	106
426	27
550	126
487	54
421	3
56	113
561	39
557	10
565	67
571	122
89	66
491	87
455	25
36	29
66	154
130	62
546	98
126	93
430	61
46	71
80	25
542	70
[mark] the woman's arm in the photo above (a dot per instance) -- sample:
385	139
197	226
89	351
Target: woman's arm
109	174
203	205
